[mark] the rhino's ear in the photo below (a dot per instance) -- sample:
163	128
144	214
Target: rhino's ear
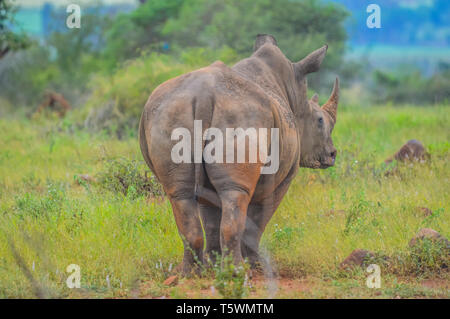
312	62
315	98
262	39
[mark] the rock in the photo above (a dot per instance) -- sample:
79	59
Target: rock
54	102
358	257
171	281
424	211
430	234
413	150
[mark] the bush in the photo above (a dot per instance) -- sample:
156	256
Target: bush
35	205
117	102
429	256
230	280
411	87
128	177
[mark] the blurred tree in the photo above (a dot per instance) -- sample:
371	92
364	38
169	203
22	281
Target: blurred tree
77	51
131	32
63	63
408	85
300	26
24	76
9	39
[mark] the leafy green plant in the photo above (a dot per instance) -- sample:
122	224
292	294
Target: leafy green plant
230	280
429	256
355	217
285	235
10	39
128	177
433	217
35	205
117	100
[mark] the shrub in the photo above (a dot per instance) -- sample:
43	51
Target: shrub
284	236
360	215
128	177
429	256
117	101
230	280
411	87
35	205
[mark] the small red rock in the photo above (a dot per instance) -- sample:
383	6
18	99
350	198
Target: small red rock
413	150
427	233
356	258
171	281
425	211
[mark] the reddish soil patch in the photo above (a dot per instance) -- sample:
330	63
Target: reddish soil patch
436	283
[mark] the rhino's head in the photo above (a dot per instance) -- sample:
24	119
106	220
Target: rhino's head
317	149
314	123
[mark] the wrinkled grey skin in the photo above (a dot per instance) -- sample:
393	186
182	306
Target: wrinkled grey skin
234	201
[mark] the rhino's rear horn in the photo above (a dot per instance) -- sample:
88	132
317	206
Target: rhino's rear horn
262	39
331	105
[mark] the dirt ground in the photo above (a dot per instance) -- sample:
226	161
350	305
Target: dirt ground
306	287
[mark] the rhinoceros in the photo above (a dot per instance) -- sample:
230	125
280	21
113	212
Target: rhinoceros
229	204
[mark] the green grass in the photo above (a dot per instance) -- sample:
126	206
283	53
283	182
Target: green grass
53	221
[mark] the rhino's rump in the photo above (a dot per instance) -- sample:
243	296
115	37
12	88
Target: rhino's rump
221	99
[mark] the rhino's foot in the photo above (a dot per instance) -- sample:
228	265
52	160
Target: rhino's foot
254	261
191	232
250	255
211	258
259	265
189	270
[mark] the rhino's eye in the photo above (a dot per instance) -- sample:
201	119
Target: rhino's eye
321	120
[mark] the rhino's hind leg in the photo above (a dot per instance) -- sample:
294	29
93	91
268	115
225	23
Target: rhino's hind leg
190	230
232	225
252	236
258	216
211	224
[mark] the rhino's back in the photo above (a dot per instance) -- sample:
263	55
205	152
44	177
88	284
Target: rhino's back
222	99
215	94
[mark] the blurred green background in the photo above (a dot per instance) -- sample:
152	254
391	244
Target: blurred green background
74	187
107	69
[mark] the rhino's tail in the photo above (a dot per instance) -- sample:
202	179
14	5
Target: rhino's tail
143	143
203	110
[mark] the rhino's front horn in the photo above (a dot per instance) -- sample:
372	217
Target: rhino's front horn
331	105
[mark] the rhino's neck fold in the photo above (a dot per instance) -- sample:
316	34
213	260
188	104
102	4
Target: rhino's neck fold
274	73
